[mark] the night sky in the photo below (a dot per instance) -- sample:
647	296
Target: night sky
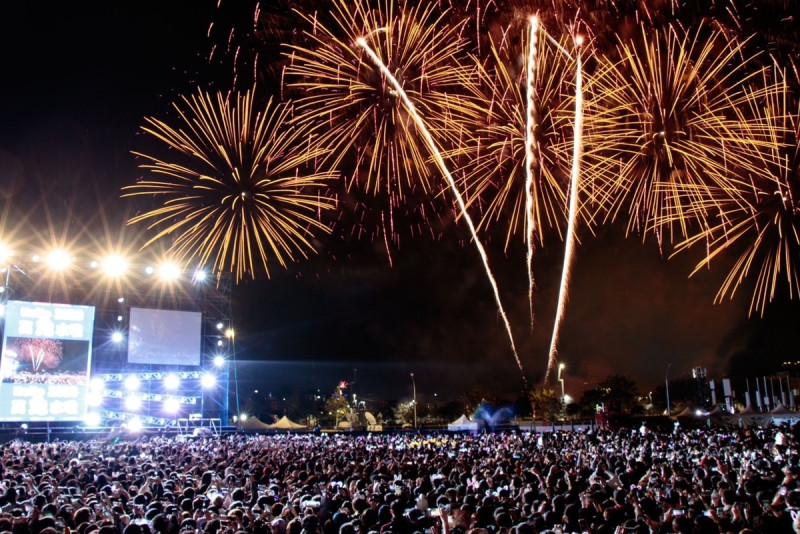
76	80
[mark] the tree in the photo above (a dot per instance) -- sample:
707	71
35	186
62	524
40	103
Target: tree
336	407
546	403
619	393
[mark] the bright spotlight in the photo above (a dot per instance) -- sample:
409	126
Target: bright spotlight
59	259
220	326
200	275
172	381
92	419
5	252
132	383
171	405
220	342
117	337
94	399
133	403
243	417
96	388
115	265
169	271
149	270
208	381
135	425
219	361
229	333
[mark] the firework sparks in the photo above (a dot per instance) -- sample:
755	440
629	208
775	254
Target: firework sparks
41	354
359	118
760	211
530	124
566	267
663	127
234	193
431	144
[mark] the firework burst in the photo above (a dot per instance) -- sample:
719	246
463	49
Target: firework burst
233	191
664	127
357	116
758	217
493	160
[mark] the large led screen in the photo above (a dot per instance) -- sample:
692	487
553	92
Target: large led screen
165	337
44	368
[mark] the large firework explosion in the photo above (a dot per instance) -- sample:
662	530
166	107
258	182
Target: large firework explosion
237	190
358	117
757	219
677	141
663	122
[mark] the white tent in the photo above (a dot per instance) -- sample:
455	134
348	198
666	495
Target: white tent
372	423
284	423
253	423
463	424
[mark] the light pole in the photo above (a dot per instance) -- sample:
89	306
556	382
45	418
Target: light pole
666	382
414	390
560	368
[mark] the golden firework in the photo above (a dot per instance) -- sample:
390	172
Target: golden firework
755	220
357	116
234	189
492	159
664	127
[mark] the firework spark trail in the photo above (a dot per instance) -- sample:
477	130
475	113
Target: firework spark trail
573	215
529	156
451	182
231	192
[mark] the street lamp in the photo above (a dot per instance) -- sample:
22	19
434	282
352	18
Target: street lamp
560	368
666	381
414	389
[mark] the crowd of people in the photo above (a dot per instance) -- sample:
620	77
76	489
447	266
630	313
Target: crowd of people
595	481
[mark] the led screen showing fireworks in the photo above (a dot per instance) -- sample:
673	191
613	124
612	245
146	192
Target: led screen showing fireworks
165	337
44	369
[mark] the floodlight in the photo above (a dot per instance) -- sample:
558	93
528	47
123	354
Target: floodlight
92	419
168	271
132	383
171	405
5	252
133	403
115	265
219	361
117	337
208	381
135	425
59	259
172	381
94	399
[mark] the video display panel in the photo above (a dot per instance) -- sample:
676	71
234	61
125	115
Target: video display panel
44	368
164	337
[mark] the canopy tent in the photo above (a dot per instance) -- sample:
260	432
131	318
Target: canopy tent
462	424
284	423
253	423
372	423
